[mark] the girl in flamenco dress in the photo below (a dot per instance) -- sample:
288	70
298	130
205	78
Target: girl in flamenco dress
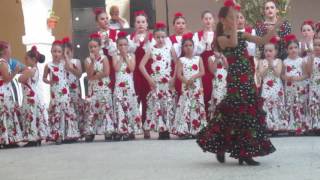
239	126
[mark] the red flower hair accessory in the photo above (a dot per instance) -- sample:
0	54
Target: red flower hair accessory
160	25
35	51
274	40
237	7
140	13
66	40
122	34
94	36
98	11
290	37
187	36
309	22
229	3
178	14
57	42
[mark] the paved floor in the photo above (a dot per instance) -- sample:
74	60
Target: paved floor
296	158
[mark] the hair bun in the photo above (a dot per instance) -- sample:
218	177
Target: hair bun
41	58
34	49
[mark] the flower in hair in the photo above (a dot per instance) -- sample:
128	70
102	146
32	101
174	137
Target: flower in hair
94	36
122	34
66	40
160	25
187	36
229	3
59	42
178	14
98	11
309	22
34	48
139	13
290	37
274	40
237	7
35	51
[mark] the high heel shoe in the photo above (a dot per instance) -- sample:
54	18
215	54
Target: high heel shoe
220	157
248	161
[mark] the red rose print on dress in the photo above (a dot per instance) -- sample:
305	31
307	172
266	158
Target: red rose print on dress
31	94
233	90
289	83
31	101
158	57
164	80
243	78
64	91
122	84
196	123
53	95
195	67
73	86
55	69
128	70
100	83
270	83
55	78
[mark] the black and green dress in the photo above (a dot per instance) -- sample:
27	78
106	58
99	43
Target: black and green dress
238	126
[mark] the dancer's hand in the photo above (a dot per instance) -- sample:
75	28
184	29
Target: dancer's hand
152	84
92	57
171	83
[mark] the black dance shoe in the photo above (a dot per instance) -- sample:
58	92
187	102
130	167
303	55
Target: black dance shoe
248	161
221	158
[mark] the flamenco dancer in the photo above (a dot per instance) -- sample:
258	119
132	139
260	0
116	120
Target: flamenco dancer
238	126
